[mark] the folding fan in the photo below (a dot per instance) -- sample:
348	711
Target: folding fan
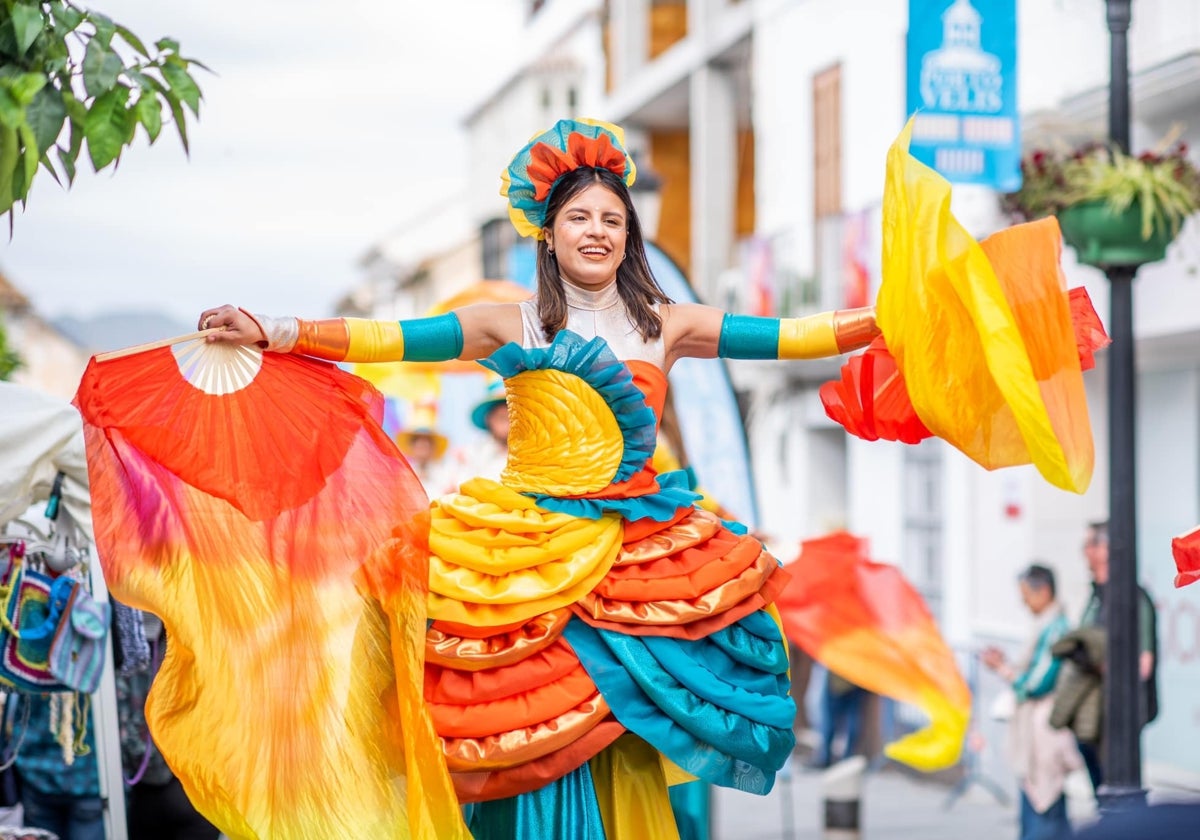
252	501
283	424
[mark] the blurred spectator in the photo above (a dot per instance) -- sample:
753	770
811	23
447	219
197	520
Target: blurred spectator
488	457
156	806
1095	550
56	766
1042	756
841	711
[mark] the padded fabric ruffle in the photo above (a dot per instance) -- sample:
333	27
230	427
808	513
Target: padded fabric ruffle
718	707
496	559
545	442
687	579
673	494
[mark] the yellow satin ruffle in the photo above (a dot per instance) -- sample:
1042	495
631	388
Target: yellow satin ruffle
563	438
470	583
631	790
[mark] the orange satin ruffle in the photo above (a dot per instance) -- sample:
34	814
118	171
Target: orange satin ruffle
701	627
456	646
522	744
476	786
471	704
692	569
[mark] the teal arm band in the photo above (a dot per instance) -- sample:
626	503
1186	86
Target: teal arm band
748	337
435	339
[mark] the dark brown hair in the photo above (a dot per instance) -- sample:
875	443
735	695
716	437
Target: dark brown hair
635	282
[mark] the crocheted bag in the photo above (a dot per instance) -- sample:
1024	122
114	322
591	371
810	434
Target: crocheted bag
77	651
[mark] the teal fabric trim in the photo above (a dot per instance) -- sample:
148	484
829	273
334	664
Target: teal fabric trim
748	337
436	339
566	804
595	363
662	506
724	717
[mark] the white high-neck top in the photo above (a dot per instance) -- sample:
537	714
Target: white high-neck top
595	313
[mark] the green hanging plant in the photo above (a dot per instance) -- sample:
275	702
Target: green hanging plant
1163	184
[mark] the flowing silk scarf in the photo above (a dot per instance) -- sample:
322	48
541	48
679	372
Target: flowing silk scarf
252	501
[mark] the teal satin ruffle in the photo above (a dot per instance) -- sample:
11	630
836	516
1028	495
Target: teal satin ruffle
545	812
718	707
661	506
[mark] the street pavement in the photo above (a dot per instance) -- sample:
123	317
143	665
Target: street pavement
895	805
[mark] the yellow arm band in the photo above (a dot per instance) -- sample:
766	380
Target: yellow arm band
435	339
811	337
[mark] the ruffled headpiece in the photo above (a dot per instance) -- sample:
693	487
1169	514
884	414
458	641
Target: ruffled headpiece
570	144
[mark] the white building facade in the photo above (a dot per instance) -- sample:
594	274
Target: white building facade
803	98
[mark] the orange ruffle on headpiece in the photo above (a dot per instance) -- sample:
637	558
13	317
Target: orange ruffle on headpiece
569	145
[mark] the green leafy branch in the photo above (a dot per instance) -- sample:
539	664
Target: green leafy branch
10	362
70	76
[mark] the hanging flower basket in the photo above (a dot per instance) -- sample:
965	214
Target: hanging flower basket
1114	209
1103	237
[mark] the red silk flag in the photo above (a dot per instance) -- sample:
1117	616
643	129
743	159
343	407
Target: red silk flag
1186	550
864	621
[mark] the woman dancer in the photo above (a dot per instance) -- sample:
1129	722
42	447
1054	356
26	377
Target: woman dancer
593	632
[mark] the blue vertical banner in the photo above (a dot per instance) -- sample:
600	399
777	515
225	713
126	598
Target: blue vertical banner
962	89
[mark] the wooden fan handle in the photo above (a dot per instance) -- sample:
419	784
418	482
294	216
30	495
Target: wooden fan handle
154	345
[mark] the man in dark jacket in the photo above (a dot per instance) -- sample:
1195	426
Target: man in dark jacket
1095	549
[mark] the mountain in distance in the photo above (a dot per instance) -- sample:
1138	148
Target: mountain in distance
121	328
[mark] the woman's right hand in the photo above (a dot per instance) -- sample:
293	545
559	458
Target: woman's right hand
239	326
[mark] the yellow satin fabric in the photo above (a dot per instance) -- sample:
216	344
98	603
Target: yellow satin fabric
348	728
967	359
564	439
474	582
631	790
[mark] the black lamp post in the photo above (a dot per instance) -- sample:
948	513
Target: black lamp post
1122	719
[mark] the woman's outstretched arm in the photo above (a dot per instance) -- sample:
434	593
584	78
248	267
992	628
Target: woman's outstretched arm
468	333
695	331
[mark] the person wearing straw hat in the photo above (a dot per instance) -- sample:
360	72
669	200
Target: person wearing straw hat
425	448
594	636
486	456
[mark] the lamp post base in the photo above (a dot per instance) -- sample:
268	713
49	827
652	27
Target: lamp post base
1113	799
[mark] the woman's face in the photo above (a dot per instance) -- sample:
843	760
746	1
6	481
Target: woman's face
588	237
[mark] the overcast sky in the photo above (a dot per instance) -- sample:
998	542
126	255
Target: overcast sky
327	126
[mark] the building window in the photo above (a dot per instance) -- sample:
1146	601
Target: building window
572	100
827	142
495	240
923	521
